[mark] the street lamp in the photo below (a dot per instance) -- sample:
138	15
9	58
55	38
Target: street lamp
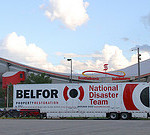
139	58
71	69
138	64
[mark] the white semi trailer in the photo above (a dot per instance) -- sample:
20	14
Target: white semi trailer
114	100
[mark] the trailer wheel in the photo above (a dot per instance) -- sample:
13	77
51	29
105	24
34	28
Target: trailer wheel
125	116
114	116
41	115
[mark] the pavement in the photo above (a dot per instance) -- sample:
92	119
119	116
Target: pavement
74	127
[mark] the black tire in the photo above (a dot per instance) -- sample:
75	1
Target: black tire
114	116
125	116
41	116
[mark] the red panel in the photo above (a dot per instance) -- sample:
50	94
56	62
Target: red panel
14	79
127	96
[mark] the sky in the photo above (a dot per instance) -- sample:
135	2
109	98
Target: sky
45	33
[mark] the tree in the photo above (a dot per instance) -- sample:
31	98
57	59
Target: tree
32	79
37	79
2	97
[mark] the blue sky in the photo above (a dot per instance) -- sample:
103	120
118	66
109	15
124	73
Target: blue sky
103	25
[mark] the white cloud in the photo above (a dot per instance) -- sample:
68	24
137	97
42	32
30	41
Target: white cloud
114	57
15	48
144	50
144	56
110	55
72	13
73	55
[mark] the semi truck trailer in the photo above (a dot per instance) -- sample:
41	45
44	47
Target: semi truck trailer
112	100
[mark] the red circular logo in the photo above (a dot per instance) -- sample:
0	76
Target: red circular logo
73	93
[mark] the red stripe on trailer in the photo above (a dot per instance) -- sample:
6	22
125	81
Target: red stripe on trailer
81	93
127	97
65	93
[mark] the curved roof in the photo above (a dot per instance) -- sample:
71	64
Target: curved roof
33	69
131	71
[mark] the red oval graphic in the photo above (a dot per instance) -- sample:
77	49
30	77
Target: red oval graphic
81	93
65	93
127	97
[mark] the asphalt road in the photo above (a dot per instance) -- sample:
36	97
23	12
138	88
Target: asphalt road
74	127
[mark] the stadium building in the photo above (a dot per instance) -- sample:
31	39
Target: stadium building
13	72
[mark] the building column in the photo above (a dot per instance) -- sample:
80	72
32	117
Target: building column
148	79
7	66
26	73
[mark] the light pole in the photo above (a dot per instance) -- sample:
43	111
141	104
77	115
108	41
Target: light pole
71	69
139	58
138	64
